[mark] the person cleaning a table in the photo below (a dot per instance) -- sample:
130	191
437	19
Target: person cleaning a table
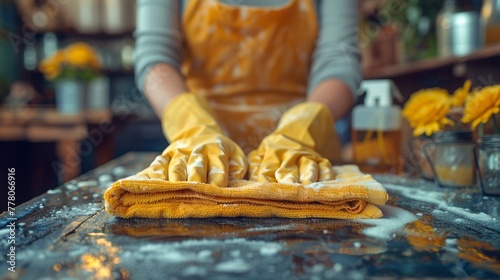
248	87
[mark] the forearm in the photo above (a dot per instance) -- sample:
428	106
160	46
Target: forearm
158	55
162	84
336	70
335	95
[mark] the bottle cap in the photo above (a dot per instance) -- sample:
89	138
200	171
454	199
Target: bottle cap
379	93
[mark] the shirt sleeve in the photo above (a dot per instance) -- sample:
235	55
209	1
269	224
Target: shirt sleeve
158	37
337	54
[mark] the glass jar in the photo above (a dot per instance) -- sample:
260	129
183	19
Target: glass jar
417	160
452	159
488	164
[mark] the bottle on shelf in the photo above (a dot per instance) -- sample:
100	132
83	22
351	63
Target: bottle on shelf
88	16
490	17
443	28
458	28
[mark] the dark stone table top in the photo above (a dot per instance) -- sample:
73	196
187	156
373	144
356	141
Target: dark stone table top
426	232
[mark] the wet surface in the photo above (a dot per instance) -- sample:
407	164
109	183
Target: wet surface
425	232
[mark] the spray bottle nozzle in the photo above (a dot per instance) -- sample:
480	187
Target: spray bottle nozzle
379	93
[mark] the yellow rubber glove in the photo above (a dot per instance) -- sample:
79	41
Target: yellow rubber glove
198	150
291	153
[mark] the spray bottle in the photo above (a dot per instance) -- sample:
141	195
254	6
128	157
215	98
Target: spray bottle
376	129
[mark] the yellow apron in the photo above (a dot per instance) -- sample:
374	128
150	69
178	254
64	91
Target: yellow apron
250	63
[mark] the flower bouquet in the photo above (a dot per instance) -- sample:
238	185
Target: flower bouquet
432	110
429	111
70	69
451	121
77	61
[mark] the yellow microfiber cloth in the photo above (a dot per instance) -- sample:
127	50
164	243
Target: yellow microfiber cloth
350	195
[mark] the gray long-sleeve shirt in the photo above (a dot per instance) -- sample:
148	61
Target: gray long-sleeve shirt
159	38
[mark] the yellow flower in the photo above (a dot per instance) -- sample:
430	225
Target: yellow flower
81	55
78	55
51	67
460	94
427	109
50	70
482	105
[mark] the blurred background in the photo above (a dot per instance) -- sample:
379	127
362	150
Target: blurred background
50	137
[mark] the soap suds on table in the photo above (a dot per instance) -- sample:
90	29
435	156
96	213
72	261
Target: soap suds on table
385	228
54	191
437	198
233	266
283	227
270	250
240	257
174	249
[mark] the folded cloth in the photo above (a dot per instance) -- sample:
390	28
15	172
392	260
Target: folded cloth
350	195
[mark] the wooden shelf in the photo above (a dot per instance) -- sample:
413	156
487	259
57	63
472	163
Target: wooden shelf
106	72
49	116
95	36
430	64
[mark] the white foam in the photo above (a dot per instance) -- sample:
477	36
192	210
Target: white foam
337	267
233	266
230	205
385	228
437	198
204	254
194	271
173	256
54	191
283	227
214	242
235	253
119	171
105	178
451	241
270	250
89	183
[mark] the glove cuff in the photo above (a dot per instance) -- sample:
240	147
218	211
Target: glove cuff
188	115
